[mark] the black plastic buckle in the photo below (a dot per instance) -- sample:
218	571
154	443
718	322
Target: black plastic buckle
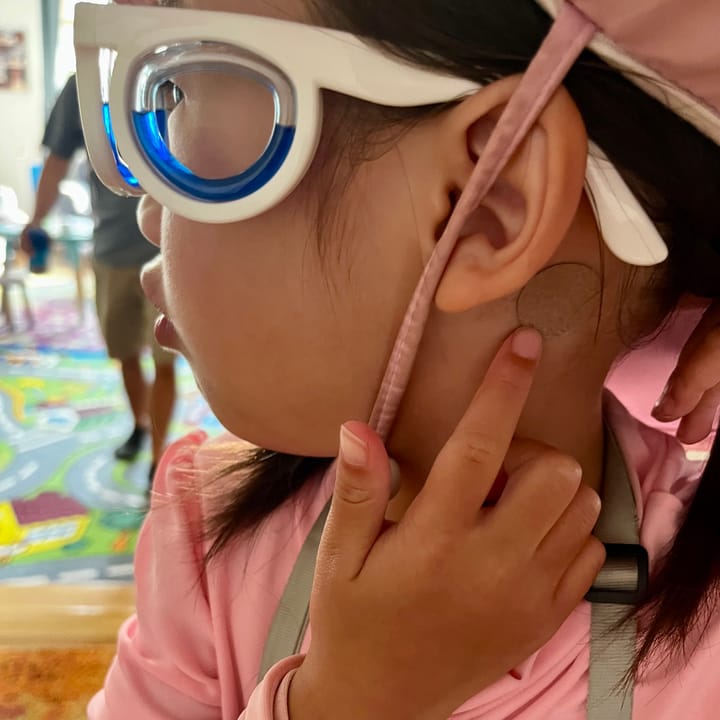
620	552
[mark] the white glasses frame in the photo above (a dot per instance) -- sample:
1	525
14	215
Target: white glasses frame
312	59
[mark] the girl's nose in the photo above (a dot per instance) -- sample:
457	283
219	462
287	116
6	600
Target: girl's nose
148	217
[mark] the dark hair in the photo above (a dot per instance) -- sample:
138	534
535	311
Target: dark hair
672	168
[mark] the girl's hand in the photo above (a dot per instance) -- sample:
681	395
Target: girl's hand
693	391
412	619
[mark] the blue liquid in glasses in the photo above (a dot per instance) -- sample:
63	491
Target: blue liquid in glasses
123	169
150	129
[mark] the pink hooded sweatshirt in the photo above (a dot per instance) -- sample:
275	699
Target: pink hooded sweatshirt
193	650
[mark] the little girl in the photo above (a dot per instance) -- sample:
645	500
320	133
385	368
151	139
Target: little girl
449	219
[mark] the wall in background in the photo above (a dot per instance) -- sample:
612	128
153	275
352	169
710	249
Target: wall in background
22	111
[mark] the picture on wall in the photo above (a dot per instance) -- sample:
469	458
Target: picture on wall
13	62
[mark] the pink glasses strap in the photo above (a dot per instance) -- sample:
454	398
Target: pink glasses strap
568	37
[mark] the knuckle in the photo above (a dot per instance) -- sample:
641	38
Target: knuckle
555	478
352	494
435	555
480	448
563	469
568	468
586	507
510	380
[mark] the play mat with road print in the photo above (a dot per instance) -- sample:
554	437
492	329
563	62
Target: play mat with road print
68	510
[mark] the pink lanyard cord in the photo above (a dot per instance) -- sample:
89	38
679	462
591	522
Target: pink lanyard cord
568	37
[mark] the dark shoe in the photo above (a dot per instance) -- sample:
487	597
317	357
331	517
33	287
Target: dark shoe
131	447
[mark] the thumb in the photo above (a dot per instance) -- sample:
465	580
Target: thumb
362	491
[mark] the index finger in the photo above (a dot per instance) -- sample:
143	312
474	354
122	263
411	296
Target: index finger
697	371
467	466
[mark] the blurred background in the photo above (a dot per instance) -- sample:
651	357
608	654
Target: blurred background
70	509
71	499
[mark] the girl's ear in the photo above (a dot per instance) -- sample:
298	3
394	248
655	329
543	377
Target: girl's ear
525	216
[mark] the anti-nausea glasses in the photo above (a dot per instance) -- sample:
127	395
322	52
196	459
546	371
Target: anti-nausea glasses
212	119
218	115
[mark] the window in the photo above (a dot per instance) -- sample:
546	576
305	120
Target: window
65	53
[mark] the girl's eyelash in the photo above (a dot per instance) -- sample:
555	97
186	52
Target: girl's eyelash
171	94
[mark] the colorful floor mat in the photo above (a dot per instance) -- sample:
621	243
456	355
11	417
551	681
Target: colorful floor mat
69	511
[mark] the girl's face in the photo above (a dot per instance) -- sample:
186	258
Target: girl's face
288	321
286	340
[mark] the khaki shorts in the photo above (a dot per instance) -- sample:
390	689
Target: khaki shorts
127	318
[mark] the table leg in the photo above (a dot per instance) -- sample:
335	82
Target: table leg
30	318
5	306
80	289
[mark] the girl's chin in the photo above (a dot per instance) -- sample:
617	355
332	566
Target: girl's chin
261	427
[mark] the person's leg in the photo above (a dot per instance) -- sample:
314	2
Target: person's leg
121	316
137	394
136	389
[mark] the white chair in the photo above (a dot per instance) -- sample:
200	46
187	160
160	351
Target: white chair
12	279
10	211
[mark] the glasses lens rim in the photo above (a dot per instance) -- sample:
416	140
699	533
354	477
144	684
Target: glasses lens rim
154	68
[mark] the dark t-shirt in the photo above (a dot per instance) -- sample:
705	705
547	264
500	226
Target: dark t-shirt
117	239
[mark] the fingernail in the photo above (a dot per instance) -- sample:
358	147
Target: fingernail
662	397
665	406
527	344
353	450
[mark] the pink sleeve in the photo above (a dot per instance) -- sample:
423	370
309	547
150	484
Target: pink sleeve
165	666
269	700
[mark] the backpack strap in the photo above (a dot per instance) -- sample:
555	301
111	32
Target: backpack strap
291	618
620	584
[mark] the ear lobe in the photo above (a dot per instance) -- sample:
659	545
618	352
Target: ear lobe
526	215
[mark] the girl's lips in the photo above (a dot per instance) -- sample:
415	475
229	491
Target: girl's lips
165	333
151	282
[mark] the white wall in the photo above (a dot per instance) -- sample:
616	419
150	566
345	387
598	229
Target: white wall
22	112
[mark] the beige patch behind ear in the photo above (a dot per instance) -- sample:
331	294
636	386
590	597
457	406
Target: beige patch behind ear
560	299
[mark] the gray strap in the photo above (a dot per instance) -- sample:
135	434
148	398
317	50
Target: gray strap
612	648
291	618
618	522
611	653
